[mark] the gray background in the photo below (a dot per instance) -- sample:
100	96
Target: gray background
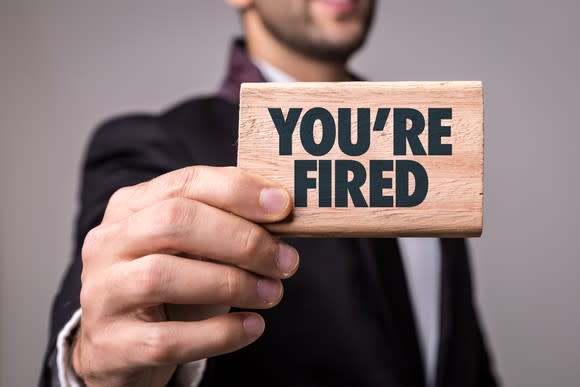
65	65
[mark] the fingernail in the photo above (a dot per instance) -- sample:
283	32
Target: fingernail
274	200
287	258
269	290
253	326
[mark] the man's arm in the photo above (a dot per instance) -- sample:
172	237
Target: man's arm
122	154
117	156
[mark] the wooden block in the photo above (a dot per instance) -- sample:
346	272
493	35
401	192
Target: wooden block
369	159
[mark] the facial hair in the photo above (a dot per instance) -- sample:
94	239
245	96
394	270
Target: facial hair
295	32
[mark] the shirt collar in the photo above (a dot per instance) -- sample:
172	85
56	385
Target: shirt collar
242	69
272	73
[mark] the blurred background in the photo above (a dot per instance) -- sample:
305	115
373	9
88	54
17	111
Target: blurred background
66	65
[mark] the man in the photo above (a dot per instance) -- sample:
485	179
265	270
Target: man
168	245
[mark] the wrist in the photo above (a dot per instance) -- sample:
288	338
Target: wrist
75	358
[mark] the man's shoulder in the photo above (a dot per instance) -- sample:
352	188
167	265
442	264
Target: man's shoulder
189	127
198	107
186	111
186	115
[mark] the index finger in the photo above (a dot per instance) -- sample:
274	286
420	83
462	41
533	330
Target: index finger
228	188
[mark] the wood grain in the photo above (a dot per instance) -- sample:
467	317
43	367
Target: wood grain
454	202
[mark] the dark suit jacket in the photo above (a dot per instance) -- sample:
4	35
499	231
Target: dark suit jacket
346	319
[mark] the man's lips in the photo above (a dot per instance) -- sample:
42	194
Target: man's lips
339	6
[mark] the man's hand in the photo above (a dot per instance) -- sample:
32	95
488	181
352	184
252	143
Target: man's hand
162	270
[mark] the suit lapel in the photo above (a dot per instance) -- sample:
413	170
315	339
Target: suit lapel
446	312
396	309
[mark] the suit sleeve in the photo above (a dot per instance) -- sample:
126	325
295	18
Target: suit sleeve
122	152
470	340
486	374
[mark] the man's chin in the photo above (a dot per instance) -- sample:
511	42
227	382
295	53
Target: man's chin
332	51
340	46
344	43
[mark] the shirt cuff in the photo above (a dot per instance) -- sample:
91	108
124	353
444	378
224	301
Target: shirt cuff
66	375
186	375
190	374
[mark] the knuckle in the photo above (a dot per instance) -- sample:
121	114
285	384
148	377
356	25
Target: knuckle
238	181
237	178
86	294
237	174
84	277
158	345
179	182
149	277
96	294
224	336
233	284
93	240
171	212
191	176
120	196
251	240
98	341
